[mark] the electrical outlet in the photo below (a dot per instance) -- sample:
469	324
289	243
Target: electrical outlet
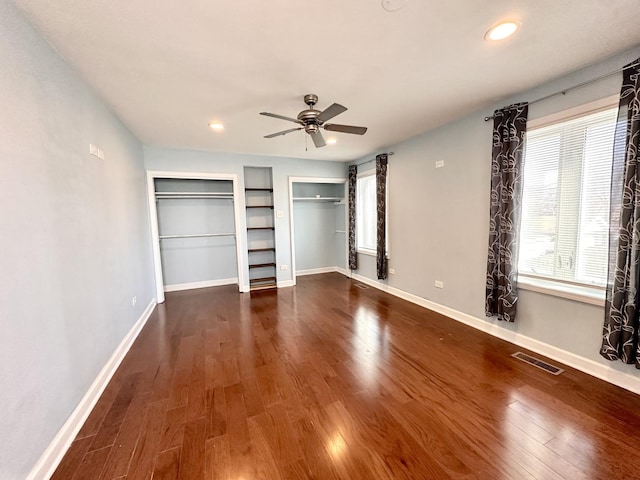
439	284
134	300
440	164
392	271
284	267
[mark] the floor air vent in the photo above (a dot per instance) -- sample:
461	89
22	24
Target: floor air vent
538	363
361	286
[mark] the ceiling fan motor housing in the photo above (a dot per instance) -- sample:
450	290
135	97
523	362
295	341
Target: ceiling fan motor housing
310	116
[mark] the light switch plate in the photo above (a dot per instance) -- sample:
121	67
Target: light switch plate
279	214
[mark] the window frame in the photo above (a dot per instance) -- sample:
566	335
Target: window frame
590	294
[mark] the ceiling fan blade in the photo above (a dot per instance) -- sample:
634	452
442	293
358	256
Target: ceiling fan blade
334	127
281	117
330	112
317	139
284	132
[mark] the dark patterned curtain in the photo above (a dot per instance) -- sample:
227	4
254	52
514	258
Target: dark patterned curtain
353	254
509	128
381	206
620	335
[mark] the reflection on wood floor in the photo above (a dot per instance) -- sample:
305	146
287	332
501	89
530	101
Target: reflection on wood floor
327	381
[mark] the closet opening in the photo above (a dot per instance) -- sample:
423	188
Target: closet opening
318	219
195	226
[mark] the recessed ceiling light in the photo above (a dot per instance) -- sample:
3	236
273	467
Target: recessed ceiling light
502	30
216	126
331	141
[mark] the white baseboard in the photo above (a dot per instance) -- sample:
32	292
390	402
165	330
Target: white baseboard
205	284
604	372
315	271
286	283
53	454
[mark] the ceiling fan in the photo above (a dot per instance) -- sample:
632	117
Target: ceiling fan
312	120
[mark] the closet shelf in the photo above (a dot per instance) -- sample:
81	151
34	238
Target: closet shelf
318	199
262	265
258	189
197	235
167	195
253	250
259	206
260	228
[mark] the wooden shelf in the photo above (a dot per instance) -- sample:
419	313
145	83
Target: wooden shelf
259	206
260	228
262	282
262	265
258	189
252	250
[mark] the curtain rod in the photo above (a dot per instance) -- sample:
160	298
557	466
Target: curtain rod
580	85
367	161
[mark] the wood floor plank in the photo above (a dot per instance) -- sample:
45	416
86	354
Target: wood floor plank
173	428
72	459
192	461
284	384
125	443
110	426
167	465
217	458
92	464
144	456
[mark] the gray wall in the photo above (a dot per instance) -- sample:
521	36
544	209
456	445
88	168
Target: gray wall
314	228
438	219
74	241
187	260
165	159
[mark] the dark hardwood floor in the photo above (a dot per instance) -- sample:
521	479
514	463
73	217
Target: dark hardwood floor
326	380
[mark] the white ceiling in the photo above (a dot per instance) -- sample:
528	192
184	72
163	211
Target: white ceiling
167	68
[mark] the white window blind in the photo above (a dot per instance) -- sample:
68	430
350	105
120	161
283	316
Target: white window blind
565	208
366	214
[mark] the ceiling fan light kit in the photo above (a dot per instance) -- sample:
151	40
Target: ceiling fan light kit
312	120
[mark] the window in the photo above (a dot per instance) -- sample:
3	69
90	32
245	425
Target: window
366	214
565	207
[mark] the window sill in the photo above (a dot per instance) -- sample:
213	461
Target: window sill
371	253
578	293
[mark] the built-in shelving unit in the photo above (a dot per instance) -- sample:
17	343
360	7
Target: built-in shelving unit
260	228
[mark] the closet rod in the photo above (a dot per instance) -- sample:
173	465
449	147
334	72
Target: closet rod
580	85
367	161
163	237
